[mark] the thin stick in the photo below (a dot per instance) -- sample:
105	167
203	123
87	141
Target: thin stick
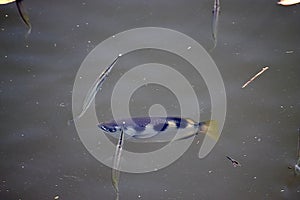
254	77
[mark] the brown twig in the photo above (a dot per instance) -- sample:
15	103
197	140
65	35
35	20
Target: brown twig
254	77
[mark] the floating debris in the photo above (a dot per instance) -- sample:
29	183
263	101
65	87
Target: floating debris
288	52
234	162
22	11
254	77
62	104
56	197
288	2
215	22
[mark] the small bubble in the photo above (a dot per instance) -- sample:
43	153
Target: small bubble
2	29
281	106
5	56
89	41
54	44
189	48
254	177
139	196
6	16
27	45
56	197
22	166
282	190
209	171
77	25
113	36
259	139
37	103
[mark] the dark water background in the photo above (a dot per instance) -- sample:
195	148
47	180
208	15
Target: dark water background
41	156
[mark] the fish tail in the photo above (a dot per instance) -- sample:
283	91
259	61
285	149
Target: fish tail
24	15
210	128
215	44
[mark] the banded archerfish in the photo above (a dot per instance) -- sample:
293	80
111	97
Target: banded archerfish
153	129
159	129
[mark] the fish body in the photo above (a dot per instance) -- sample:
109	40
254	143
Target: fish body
297	168
215	22
157	129
91	94
115	173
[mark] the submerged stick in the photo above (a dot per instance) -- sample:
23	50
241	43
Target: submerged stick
115	174
254	77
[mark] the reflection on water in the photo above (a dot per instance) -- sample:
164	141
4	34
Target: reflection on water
40	154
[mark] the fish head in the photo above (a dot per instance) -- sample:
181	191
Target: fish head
109	127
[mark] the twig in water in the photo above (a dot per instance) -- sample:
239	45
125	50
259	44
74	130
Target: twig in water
254	77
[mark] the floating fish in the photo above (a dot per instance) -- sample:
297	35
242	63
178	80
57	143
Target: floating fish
159	129
234	162
22	11
115	173
95	88
288	2
215	22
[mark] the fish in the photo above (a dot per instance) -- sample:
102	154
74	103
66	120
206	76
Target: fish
215	22
91	94
22	11
297	165
152	129
298	146
159	129
115	173
234	162
288	2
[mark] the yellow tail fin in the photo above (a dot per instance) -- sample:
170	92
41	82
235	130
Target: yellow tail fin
210	128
